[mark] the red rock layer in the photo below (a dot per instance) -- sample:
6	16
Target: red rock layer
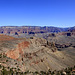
14	54
6	38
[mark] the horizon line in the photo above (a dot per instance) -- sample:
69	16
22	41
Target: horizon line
34	26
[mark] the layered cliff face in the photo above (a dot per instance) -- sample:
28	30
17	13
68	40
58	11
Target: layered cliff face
30	29
28	46
36	54
14	54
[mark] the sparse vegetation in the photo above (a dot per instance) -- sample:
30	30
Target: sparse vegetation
68	71
0	55
6	60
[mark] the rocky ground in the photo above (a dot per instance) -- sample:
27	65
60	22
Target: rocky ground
36	54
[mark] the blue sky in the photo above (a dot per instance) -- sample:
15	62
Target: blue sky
58	13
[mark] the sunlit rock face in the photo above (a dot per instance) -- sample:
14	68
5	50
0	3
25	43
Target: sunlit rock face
14	54
29	48
35	54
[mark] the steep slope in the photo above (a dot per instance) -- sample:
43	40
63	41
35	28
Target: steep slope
36	54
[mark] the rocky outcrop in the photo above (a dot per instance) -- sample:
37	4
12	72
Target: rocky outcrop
69	33
63	45
52	35
20	50
35	54
14	54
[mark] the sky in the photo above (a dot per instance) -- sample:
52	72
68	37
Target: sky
58	13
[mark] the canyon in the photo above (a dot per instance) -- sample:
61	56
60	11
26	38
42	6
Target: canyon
39	52
35	54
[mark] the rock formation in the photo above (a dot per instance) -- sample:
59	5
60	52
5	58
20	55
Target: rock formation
35	54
